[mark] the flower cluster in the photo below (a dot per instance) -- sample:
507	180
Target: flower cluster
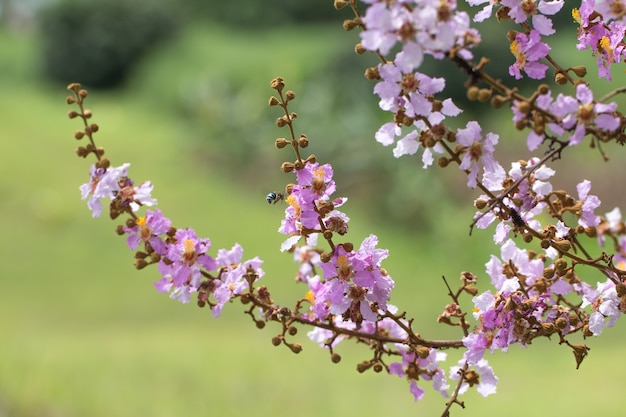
602	31
535	292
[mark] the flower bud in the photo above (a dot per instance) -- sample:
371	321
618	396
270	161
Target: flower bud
290	95
358	48
140	263
498	101
579	70
282	121
563	245
273	101
70	100
310	159
303	141
296	347
281	143
371	73
560	264
480	203
277	84
79	134
287	167
276	340
335	358
340	4
484	94
560	78
472	93
348	246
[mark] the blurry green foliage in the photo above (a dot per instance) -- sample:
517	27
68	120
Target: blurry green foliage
98	43
257	14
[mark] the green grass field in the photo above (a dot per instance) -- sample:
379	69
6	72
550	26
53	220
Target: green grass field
84	334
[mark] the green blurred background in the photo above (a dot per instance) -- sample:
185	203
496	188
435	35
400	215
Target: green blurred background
180	90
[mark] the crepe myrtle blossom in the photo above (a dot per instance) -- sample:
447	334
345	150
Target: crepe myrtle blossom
478	152
604	303
425	367
148	229
186	257
542	102
519	11
314	187
590	202
412	92
432	27
482	373
610	9
580	112
603	37
354	284
112	183
233	276
528	50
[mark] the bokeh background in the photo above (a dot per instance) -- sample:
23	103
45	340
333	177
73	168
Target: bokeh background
180	90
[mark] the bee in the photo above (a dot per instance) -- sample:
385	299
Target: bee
274	197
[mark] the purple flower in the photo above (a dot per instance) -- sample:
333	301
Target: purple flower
186	256
578	113
477	151
233	276
604	303
528	50
103	184
589	203
147	229
519	11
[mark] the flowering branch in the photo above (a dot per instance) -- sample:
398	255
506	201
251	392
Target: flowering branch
537	292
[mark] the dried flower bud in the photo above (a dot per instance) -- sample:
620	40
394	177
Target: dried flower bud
303	141
281	143
579	70
560	264
296	347
282	121
290	95
480	203
335	358
350	24
273	101
277	84
72	114
484	94
340	4
70	100
372	73
287	167
310	159
563	245
498	101
79	134
348	246
358	48
472	93
560	78
140	263
277	340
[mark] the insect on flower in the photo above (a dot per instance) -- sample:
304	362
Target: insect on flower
274	197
